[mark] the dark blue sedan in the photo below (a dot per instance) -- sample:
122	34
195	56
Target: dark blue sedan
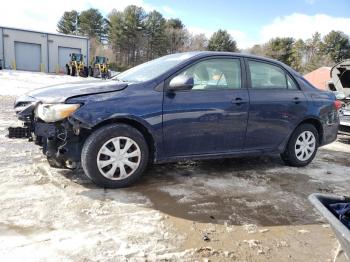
197	105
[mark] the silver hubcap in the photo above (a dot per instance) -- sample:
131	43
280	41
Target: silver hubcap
305	145
118	158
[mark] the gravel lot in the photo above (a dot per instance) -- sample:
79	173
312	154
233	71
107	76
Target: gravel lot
244	209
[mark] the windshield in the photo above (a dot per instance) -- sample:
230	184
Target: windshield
100	60
76	57
154	68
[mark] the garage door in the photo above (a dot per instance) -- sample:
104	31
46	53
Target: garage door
28	56
63	55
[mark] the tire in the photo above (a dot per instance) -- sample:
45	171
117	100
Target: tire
83	72
86	71
301	154
67	70
73	72
96	73
98	150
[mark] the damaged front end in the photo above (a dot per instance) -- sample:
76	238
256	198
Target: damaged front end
340	85
344	116
24	108
61	140
48	119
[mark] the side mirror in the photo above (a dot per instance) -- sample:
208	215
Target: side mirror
181	83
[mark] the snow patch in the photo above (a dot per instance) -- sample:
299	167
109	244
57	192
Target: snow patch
328	172
184	194
14	83
338	147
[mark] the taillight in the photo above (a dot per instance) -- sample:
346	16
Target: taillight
337	104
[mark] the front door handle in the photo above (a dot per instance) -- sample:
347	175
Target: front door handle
238	101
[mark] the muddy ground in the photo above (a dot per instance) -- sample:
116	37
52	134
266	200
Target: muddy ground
244	209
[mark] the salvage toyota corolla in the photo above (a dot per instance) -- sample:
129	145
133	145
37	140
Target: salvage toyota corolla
197	105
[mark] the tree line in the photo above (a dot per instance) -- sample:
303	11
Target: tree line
134	36
306	56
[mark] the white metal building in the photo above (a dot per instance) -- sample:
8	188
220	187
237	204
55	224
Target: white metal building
38	51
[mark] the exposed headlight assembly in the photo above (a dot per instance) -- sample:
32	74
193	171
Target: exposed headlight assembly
54	112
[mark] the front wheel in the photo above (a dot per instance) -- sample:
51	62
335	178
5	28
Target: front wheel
302	146
67	70
115	156
73	71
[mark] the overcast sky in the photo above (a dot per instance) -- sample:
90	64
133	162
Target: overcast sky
248	21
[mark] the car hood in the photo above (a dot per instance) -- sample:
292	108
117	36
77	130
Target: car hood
60	93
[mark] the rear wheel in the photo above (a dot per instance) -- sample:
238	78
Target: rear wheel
302	146
90	71
85	71
73	72
115	156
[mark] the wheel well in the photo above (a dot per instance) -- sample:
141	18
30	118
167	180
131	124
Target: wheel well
317	124
144	131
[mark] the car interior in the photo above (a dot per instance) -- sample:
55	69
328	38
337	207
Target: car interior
209	75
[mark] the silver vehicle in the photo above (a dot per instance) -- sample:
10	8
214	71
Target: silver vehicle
340	84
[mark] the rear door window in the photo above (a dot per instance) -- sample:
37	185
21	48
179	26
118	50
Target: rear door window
268	76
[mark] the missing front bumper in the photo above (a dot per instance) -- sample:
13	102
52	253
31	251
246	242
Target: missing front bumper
59	143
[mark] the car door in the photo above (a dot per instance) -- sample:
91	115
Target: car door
276	105
212	116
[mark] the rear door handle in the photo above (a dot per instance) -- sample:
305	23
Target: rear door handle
296	100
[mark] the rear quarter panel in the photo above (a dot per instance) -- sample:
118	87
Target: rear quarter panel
322	108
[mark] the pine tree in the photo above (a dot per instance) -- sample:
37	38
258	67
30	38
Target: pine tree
93	24
155	35
280	49
68	24
176	35
222	41
297	56
337	45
